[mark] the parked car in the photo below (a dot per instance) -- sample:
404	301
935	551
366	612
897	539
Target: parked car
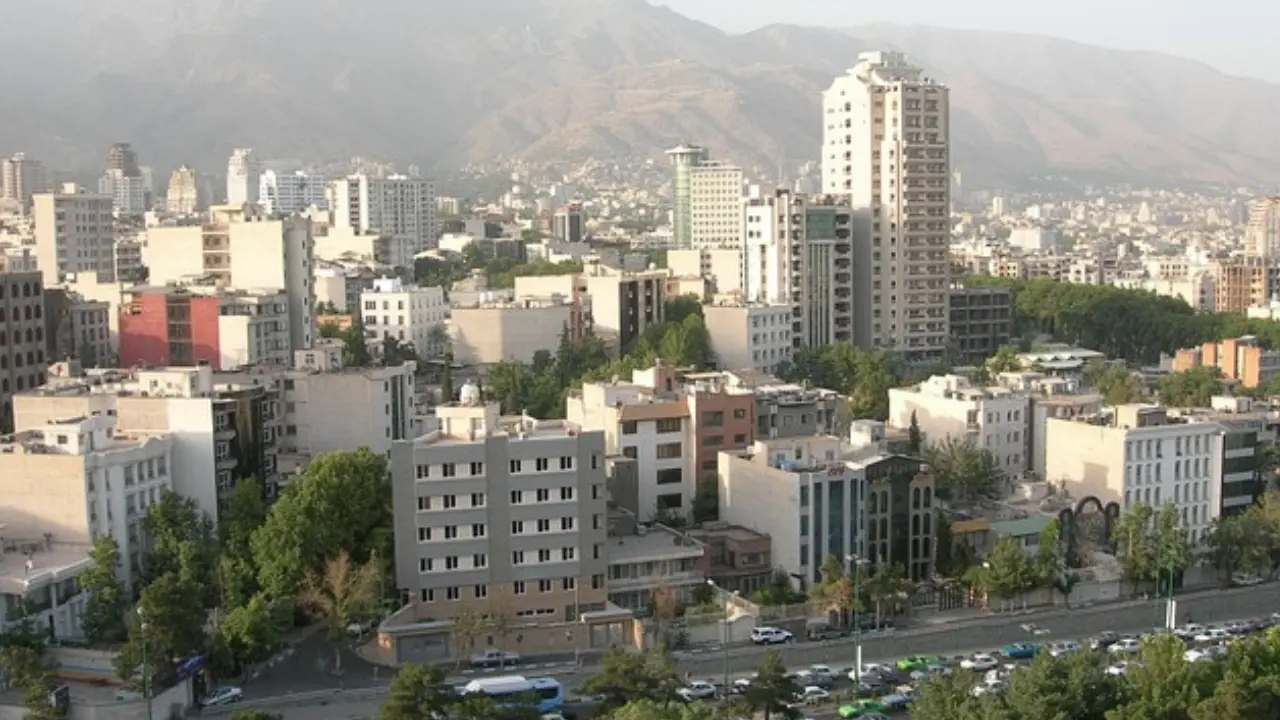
819	675
980	662
1020	651
1246	579
821	630
916	662
1125	646
360	627
697	691
223	696
861	709
494	657
1063	648
770	636
813	695
1103	641
1213	635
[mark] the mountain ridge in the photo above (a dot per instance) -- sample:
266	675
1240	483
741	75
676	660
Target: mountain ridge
446	84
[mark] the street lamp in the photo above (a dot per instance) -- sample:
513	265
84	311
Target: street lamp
146	670
724	637
855	570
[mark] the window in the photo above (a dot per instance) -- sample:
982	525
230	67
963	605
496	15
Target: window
477	500
597	582
670	501
713	441
450	502
629	451
595	461
428	596
566	523
567	553
544	586
518	587
481	591
544	525
450	532
424	503
669	425
595	551
449	470
477	468
544	555
595	491
515	466
453	593
739	439
671	476
479	560
424	534
424	565
669	451
629	427
451	562
566	493
517	557
517	497
569	583
517	527
544	494
478	530
424	472
739	414
542	464
566	462
713	418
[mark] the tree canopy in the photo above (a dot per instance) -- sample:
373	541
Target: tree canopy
963	471
865	378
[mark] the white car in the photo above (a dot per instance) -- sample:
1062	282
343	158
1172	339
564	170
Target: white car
813	695
884	672
359	627
819	675
994	688
1125	646
697	691
770	636
1246	579
223	696
980	662
1189	630
1063	648
1119	669
1213	635
928	672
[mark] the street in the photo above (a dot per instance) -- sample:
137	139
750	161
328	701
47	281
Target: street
307	670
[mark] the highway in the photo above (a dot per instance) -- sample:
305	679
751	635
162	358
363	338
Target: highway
963	638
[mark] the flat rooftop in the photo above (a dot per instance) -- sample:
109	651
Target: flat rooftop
54	564
654	545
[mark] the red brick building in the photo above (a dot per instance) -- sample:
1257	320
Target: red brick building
161	327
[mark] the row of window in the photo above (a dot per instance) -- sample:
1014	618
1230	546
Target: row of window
541	495
566	554
451	532
520	527
476	469
666	425
519	588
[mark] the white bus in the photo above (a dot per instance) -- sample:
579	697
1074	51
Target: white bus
547	693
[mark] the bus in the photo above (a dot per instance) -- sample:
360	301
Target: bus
547	693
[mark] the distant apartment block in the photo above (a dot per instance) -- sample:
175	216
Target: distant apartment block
20	178
492	332
1262	235
78	329
74	233
724	268
407	313
242	177
183	196
946	407
22	336
399	207
1242	360
568	224
981	321
161	326
283	193
744	336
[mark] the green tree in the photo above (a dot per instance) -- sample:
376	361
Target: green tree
1170	548
1249	686
343	592
626	676
182	540
677	309
174	616
1133	545
1052	561
341	504
1164	686
649	710
836	593
963	471
889	589
706	503
37	699
772	693
1067	688
1192	388
108	601
915	438
865	378
1009	572
253	631
948	697
1114	383
418	692
1005	360
255	715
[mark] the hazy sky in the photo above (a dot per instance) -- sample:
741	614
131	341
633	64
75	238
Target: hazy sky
1235	36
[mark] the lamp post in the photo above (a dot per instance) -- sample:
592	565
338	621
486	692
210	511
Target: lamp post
855	571
724	639
146	670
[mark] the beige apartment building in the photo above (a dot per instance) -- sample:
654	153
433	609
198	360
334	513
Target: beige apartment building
22	333
240	248
75	233
492	332
80	478
500	515
620	304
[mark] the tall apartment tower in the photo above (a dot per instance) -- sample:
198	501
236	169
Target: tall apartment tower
22	178
799	253
122	158
183	197
400	207
75	232
242	177
22	359
1262	237
288	193
886	145
706	200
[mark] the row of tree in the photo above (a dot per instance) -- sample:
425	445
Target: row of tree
1162	685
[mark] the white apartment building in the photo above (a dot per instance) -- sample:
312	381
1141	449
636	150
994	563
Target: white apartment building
799	253
756	337
20	178
715	206
1138	454
240	249
183	196
288	193
995	418
399	207
128	193
128	259
723	267
253	329
489	507
886	145
490	332
242	177
1262	236
647	422
405	312
81	478
1034	239
74	233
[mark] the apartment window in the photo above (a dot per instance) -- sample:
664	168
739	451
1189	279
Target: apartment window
544	494
629	451
517	587
517	497
566	493
424	565
714	418
567	553
544	525
670	425
544	556
597	582
428	596
515	466
595	491
451	562
670	476
477	468
481	592
595	521
566	462
450	502
739	439
480	560
713	441
595	551
424	503
424	472
739	414
453	593
517	527
595	461
450	532
517	557
542	464
629	427
544	586
449	470
477	500
566	523
478	530
424	534
569	583
669	451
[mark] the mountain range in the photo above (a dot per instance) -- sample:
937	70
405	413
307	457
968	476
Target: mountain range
451	82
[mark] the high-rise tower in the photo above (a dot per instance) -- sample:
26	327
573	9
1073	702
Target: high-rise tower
242	177
886	145
683	159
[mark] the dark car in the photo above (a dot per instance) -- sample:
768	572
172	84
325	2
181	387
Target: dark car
1103	641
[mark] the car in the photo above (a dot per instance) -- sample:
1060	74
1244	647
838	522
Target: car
813	695
740	685
992	688
929	671
493	657
770	636
1020	651
820	675
1213	635
1103	640
861	709
1238	627
223	696
1125	646
697	691
1190	630
360	627
915	662
980	662
1062	648
1245	579
897	701
1198	656
1120	669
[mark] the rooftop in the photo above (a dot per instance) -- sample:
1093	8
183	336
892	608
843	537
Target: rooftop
656	543
27	564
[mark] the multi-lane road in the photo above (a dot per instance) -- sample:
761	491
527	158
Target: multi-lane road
984	634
